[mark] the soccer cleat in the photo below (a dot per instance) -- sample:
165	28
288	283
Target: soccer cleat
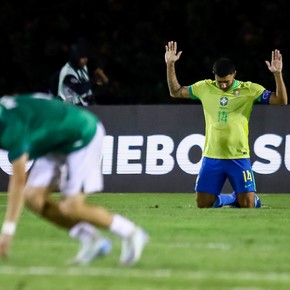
96	248
132	247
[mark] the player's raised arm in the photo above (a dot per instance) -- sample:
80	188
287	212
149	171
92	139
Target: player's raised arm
275	66
171	56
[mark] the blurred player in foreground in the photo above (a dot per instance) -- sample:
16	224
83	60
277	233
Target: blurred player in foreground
227	104
65	142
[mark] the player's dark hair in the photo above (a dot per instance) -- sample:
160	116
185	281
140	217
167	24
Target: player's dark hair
78	50
223	67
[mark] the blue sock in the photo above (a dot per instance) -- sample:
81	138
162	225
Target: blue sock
225	199
231	199
257	201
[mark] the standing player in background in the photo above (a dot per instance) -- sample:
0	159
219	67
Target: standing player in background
74	82
61	136
227	104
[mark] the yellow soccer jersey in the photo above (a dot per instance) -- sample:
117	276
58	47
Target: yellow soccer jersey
227	116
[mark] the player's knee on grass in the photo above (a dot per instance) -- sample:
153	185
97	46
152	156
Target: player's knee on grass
205	200
246	200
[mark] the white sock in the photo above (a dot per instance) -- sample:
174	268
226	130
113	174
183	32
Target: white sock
83	232
122	226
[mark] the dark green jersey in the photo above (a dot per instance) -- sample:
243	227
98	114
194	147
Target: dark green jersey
38	125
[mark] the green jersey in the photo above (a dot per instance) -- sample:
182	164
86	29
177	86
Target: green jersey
227	116
38	125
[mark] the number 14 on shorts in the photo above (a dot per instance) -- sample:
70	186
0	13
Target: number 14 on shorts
248	176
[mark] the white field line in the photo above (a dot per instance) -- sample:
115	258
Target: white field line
138	273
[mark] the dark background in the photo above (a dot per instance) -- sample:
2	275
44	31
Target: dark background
127	39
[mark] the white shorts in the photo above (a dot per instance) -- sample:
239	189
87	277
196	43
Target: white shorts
79	171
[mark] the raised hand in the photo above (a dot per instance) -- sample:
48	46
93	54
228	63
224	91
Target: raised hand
276	62
171	54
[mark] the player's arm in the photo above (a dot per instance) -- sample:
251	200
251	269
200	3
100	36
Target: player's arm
171	56
100	77
15	203
275	66
280	96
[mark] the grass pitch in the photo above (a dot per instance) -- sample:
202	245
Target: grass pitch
189	248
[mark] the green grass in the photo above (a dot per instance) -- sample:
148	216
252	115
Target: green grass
189	248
